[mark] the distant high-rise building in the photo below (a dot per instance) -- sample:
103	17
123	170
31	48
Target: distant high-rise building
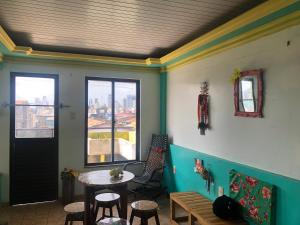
45	101
129	102
109	100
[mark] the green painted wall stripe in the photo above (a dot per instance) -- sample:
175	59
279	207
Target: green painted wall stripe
265	20
163	102
287	197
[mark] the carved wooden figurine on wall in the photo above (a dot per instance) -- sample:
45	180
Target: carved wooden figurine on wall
203	108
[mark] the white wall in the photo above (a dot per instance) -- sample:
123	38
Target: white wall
271	143
71	92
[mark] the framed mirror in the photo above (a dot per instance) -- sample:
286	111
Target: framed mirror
248	94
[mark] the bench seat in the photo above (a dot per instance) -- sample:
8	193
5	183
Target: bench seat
198	209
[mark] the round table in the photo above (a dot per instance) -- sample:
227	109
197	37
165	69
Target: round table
98	180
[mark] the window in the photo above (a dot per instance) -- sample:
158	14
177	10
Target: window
34	107
112	120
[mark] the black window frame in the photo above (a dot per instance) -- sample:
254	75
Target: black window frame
138	113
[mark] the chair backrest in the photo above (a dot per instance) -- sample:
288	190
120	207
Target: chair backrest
156	156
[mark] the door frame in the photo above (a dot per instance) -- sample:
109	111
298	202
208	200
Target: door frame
13	75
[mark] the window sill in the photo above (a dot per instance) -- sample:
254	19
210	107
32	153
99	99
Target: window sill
108	164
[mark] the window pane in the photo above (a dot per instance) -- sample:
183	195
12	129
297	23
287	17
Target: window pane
34	122
125	117
99	147
34	91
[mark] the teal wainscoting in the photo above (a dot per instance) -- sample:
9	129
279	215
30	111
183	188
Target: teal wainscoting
287	208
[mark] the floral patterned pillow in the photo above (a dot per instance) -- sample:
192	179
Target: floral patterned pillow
254	196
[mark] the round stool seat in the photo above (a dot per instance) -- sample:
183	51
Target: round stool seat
107	197
144	205
113	221
75	207
107	201
144	209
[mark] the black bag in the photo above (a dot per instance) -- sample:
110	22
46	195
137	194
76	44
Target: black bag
225	207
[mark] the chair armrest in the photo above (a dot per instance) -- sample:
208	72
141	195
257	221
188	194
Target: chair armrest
137	168
133	163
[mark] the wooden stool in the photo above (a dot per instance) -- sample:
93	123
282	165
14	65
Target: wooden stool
107	201
113	221
75	212
144	209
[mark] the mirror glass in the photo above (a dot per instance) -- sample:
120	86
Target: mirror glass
248	90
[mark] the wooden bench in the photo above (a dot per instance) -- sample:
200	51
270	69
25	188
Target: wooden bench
198	209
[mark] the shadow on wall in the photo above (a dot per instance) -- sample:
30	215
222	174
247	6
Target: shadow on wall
0	188
169	178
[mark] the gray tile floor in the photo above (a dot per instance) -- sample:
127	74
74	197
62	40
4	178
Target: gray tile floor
53	214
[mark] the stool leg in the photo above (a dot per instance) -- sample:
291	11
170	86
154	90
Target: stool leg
103	213
157	219
119	209
66	221
110	212
131	218
144	221
96	211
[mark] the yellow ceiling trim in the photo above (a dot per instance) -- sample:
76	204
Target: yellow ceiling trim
152	61
5	40
252	15
22	50
238	22
275	26
86	58
28	51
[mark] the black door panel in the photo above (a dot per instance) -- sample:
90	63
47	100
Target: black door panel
33	161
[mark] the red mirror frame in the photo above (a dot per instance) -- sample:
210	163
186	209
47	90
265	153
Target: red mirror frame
258	74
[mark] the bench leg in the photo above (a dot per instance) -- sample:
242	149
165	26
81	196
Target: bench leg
172	209
191	220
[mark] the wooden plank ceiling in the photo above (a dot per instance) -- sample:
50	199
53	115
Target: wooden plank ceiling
123	28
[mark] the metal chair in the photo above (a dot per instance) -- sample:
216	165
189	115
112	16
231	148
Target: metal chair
152	168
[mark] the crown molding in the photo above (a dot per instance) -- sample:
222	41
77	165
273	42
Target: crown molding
6	40
267	18
267	29
248	17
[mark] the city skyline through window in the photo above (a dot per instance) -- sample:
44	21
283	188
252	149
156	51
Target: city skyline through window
112	120
34	107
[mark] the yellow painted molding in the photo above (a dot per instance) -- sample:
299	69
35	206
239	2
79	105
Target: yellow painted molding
250	16
153	61
86	58
238	22
22	50
5	40
272	27
28	51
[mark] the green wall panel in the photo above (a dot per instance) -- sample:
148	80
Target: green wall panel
287	208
